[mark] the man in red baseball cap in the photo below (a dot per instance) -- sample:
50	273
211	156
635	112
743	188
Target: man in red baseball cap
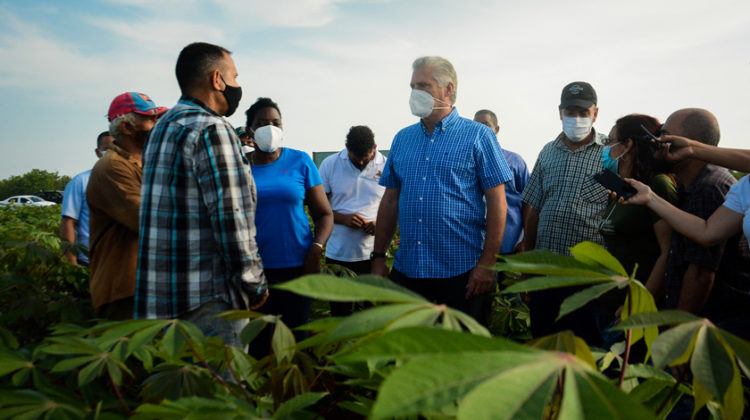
114	197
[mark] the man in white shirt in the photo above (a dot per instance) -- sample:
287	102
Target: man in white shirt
350	179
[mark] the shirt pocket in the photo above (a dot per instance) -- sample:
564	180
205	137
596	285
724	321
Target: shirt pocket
593	192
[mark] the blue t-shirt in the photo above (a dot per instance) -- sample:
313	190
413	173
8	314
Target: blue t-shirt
74	205
284	234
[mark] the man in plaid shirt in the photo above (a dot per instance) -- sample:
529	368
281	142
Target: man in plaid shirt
563	205
197	255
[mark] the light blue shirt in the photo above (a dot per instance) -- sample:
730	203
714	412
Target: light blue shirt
74	205
513	190
442	177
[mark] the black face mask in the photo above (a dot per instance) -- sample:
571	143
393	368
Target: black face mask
232	94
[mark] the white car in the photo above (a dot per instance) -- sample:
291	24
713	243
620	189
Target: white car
28	200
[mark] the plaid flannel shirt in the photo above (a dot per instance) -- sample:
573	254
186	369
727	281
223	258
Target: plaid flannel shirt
197	240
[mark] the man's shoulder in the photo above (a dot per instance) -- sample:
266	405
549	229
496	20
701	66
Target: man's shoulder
713	178
80	179
189	114
332	159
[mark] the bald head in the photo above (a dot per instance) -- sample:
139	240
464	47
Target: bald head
694	123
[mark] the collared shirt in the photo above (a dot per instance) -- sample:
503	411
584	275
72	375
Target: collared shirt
442	177
114	197
562	188
513	190
197	216
74	206
702	197
352	191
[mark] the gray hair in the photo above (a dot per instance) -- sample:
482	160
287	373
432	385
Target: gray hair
114	125
443	72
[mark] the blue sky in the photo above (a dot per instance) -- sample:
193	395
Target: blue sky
333	64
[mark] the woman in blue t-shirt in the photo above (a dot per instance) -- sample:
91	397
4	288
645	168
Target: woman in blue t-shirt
286	179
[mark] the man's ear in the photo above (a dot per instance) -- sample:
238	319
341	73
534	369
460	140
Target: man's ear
216	81
596	113
126	128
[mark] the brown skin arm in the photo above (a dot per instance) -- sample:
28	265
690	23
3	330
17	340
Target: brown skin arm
656	283
480	278
697	284
68	232
321	213
679	148
530	227
385	229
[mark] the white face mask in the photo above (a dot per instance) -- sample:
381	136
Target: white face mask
247	149
422	103
576	129
268	138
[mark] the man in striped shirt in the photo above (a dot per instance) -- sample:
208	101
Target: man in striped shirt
197	255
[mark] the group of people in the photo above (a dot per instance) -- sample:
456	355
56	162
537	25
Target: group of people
189	217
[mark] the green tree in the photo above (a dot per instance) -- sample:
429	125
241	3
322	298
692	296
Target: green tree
31	182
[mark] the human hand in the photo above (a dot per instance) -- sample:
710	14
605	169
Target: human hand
354	221
676	148
480	281
642	197
379	267
260	301
369	227
312	259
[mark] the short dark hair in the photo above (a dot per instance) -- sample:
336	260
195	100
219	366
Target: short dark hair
487	112
701	125
195	61
256	107
360	141
101	137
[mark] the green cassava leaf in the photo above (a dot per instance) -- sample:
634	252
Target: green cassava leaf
655	319
11	361
589	396
419	341
549	263
591	253
522	391
551	282
69	364
286	411
581	298
431	382
674	345
710	364
172	342
642	302
425	316
340	289
371	319
741	349
283	343
565	342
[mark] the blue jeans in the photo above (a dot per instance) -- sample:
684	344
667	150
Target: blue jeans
211	326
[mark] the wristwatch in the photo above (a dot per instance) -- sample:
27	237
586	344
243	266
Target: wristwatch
375	255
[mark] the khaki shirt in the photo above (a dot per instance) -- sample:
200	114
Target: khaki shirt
114	197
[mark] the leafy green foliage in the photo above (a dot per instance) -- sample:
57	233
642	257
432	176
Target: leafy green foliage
402	357
31	182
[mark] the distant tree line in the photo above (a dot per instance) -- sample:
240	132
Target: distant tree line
32	182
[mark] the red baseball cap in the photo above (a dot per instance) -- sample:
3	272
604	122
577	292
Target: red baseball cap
136	102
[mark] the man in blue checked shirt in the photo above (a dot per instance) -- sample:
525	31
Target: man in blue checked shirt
440	173
197	253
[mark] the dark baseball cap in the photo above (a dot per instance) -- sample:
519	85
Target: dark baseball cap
579	94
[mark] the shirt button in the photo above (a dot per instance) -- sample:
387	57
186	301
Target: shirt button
420	198
420	220
424	178
426	158
432	140
419	242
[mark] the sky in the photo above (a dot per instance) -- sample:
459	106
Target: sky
332	64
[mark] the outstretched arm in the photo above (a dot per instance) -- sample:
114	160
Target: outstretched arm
679	148
722	224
